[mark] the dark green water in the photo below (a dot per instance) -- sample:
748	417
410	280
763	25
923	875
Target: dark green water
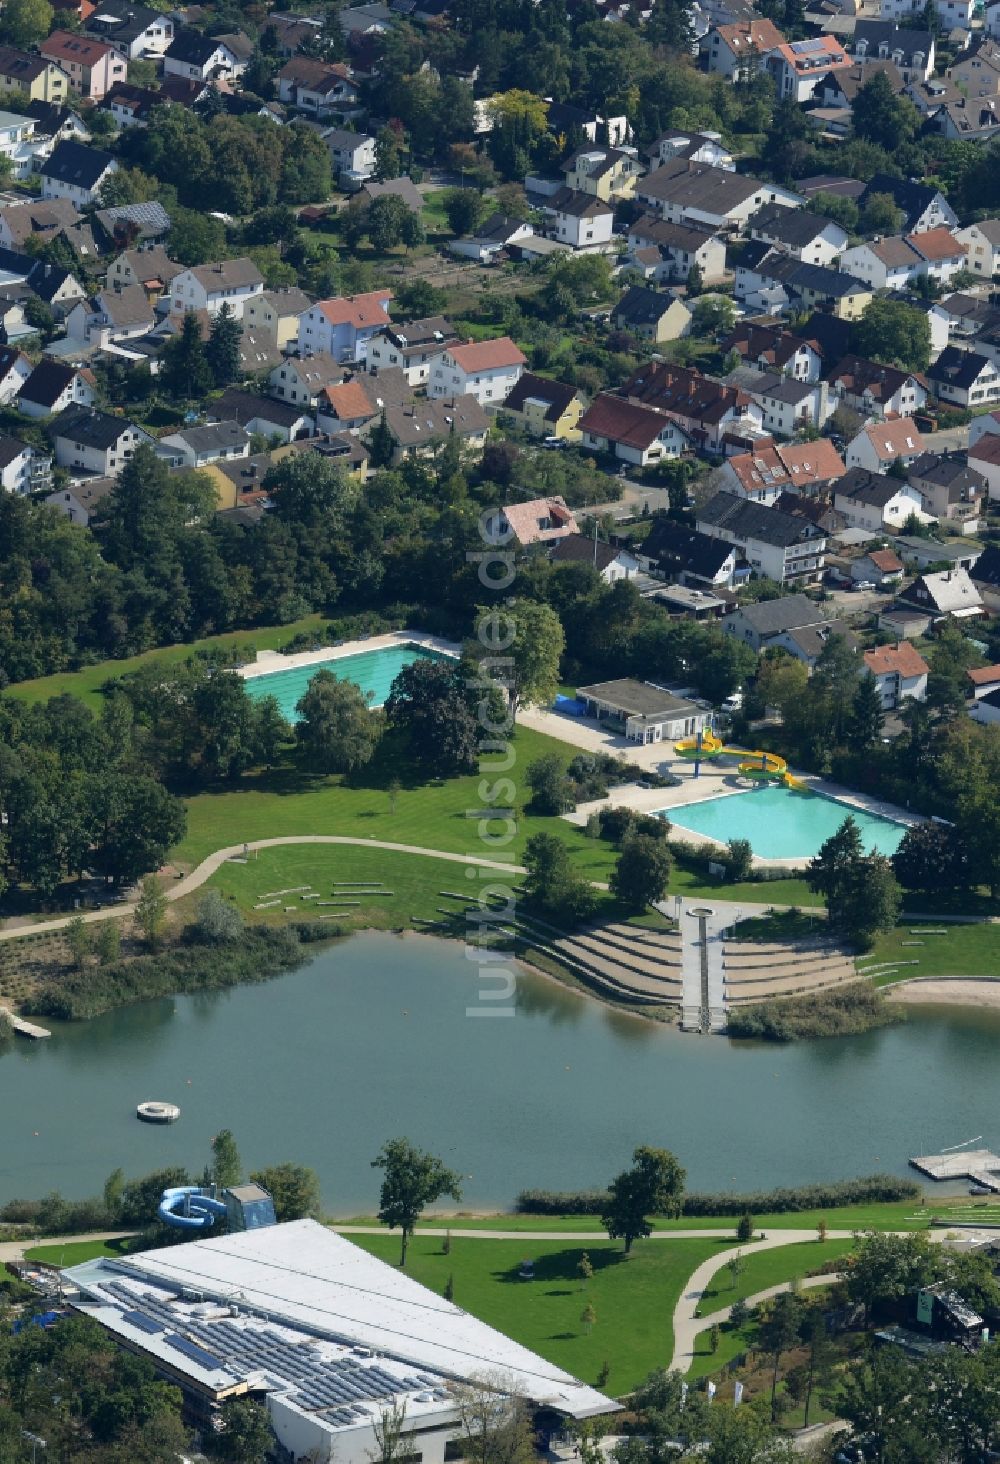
372	1039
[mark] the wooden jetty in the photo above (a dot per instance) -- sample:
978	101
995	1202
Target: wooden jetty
979	1166
23	1028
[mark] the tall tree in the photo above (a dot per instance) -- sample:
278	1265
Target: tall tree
639	878
867	715
337	730
429	702
653	1186
222	350
882	117
551	882
186	372
411	1180
829	873
778	1332
895	333
533	642
293	1188
227	1167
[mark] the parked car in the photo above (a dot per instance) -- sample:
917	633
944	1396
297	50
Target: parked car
865	585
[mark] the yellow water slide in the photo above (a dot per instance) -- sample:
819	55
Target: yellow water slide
711	746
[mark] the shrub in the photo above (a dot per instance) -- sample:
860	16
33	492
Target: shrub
873	1189
836	1013
217	921
616	823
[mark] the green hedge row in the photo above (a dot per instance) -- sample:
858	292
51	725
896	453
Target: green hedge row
874	1189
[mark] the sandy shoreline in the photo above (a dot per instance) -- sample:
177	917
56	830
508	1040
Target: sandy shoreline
948	991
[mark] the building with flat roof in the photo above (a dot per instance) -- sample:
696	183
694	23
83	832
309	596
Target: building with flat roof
645	713
328	1336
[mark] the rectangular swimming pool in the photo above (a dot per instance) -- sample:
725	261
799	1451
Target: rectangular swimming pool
781	823
373	671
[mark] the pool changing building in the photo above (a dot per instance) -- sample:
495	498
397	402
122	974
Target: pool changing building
324	1333
645	713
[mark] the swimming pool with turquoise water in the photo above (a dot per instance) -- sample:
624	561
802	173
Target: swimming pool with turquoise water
373	671
781	823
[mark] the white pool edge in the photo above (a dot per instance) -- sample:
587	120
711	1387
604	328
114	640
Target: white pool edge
268	662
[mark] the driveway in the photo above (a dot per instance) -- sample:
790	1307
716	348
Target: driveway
952	439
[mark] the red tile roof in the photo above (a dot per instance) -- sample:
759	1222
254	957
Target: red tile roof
984	675
936	244
899	437
349	400
487	355
987	449
625	422
902	660
68	46
886	561
357	310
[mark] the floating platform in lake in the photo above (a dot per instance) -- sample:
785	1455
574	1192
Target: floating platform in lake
23	1028
979	1166
154	1112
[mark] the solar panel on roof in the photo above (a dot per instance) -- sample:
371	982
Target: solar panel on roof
143	1322
192	1350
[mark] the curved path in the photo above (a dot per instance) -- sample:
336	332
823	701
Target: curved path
212	862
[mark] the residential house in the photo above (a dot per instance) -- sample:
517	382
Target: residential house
487	370
352	155
969	119
781	546
92	443
900	673
111	316
976	71
910	51
80	501
59	288
781	282
797	67
799	232
130	106
347	406
411	347
983	681
208	287
838	88
880	444
697	147
687	557
303	380
15	370
652	315
56	122
757	626
634	434
880	567
23	469
985	574
773	471
19	145
984	458
808	642
737	50
41	80
894	262
874	501
789	404
603	172
982	247
93	66
318	88
342	327
698	194
274	314
708	411
984	424
923	207
194	56
131	226
76	172
538	521
493	238
872	389
986	710
922	553
263	415
420	428
609	561
545	408
151	269
137	32
51	387
34	218
951	488
196	447
965	378
582	220
773	348
946	593
680	247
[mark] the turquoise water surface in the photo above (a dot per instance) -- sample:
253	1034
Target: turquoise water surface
783	824
374	671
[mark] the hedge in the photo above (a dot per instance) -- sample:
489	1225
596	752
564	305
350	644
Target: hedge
874	1189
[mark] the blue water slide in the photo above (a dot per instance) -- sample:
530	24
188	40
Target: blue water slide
189	1208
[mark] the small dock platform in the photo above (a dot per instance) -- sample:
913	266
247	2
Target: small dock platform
23	1028
979	1166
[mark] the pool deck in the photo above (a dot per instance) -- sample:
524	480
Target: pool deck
268	661
717	779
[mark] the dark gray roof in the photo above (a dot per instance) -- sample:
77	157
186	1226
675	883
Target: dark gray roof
641	306
244	406
48	279
73	163
577	205
789	612
748	520
47	382
93	428
795	227
912	197
986	569
874	489
557	394
955	367
674	545
214	437
123	23
909	42
191	47
582	549
11	449
950	470
637	699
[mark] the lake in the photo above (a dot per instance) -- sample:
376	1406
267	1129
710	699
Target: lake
372	1039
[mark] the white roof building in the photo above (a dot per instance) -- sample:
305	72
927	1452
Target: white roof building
329	1333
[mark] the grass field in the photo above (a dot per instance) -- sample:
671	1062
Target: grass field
634	1299
769	1268
87	683
966	950
75	1252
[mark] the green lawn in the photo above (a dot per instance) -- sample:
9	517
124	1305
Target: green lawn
74	1252
756	892
87	683
899	1215
966	950
768	1268
634	1298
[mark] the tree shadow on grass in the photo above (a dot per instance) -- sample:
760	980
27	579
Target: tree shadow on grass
561	1265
